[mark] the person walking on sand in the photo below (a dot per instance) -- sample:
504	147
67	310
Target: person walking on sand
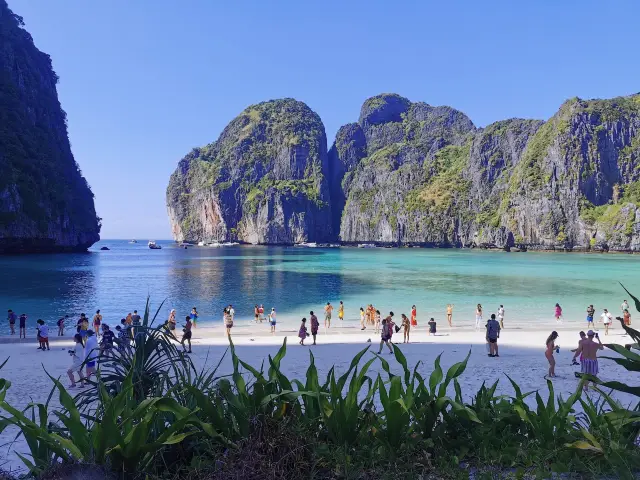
385	336
61	323
558	313
588	349
341	312
22	325
478	316
583	336
626	318
392	326
590	312
606	318
362	315
97	320
406	328
228	322
315	324
11	317
186	335
261	313
302	332
450	314
493	334
194	316
272	320
551	349
501	316
327	315
171	322
624	306
377	321
77	355
414	316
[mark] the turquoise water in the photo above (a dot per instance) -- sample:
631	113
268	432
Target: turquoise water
294	280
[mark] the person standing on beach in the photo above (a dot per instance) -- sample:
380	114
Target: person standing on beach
391	325
583	336
272	320
302	332
501	316
83	326
256	315
478	316
228	321
261	313
551	348
493	333
414	316
315	324
450	314
590	312
61	322
362	317
624	306
626	318
406	328
606	318
232	312
432	327
23	326
194	317
377	321
341	312
171	322
186	335
108	338
77	355
327	315
97	320
43	335
11	317
588	349
91	353
135	322
385	335
558	313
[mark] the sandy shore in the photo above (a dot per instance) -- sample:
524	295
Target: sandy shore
521	357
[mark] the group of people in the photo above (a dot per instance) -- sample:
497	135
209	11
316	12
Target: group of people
258	312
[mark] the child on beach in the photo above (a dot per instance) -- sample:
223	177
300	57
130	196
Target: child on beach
77	355
432	327
377	321
414	319
406	328
315	324
43	335
302	333
23	326
341	312
558	313
272	320
385	336
362	319
551	348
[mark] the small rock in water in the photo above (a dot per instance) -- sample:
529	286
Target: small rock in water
369	340
104	248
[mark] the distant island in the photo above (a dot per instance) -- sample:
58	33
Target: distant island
413	174
46	204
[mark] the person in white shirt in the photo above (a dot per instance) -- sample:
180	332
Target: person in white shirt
501	316
606	318
232	312
624	306
91	351
77	355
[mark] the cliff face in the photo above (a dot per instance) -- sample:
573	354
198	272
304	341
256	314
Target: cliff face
45	203
265	180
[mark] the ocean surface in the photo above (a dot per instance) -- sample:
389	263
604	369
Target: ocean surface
295	280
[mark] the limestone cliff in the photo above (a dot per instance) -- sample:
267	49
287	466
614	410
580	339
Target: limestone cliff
265	180
45	203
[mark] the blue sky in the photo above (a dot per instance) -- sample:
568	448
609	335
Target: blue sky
143	82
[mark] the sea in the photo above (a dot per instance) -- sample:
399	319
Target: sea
296	280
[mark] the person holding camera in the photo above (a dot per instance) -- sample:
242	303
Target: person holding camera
589	350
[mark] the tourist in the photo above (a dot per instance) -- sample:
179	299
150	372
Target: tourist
626	317
606	318
302	332
493	333
385	336
129	320
341	312
256	315
478	316
406	326
450	314
12	321
124	335
558	313
228	321
261	313
392	326
327	315
61	325
372	315
315	324
171	322
432	326
232	312
272	320
367	315
23	326
186	333
624	306
97	320
90	353
583	336
377	321
77	355
362	318
43	335
590	312
414	316
501	316
588	350
108	338
82	327
551	348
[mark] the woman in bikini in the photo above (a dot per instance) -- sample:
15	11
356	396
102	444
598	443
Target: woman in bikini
551	348
406	328
362	319
450	314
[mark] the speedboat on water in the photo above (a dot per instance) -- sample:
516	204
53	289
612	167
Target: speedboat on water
215	245
133	241
366	245
230	244
307	244
154	246
201	244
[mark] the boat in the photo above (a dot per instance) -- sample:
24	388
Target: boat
366	245
215	245
230	244
307	244
133	241
201	244
154	246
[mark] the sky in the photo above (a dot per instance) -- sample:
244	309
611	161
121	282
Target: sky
143	82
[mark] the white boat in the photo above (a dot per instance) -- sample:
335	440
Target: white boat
366	245
133	241
307	244
215	245
153	245
230	244
201	244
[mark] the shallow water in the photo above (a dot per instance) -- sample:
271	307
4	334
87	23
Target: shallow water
295	280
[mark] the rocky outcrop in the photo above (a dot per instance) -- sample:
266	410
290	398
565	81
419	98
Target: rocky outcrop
265	180
45	203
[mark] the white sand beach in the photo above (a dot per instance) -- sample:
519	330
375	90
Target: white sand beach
521	357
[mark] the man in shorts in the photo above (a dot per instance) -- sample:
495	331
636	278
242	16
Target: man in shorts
590	312
589	351
493	333
327	315
11	316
